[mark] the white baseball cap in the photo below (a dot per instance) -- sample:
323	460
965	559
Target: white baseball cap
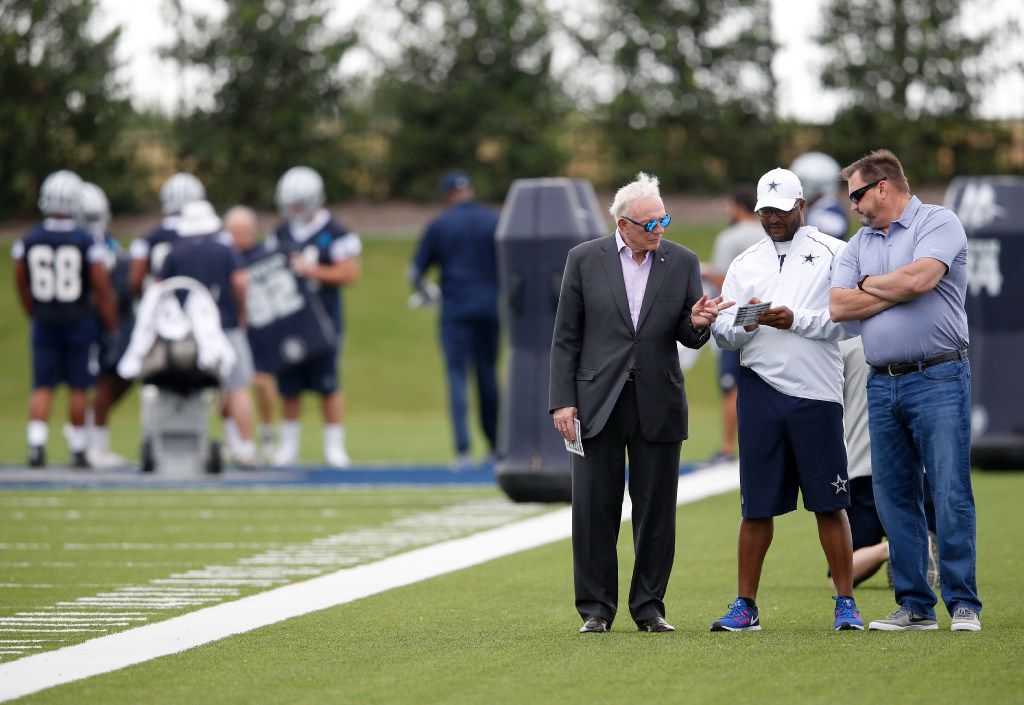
198	218
779	188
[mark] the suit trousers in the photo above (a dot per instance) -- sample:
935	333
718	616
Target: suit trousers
598	483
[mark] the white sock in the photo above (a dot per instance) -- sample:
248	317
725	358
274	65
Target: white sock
37	433
245	450
76	436
334	436
231	434
100	438
289	434
266	434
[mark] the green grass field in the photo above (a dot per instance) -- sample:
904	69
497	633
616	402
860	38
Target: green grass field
505	631
395	394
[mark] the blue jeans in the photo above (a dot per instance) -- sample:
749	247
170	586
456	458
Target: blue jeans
472	342
922	421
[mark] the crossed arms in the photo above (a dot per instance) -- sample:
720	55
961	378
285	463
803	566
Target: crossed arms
882	291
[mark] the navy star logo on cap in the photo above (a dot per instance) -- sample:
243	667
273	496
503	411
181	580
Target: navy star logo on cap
839	484
810	258
773	186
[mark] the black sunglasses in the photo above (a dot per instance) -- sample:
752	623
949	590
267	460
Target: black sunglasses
651	224
859	193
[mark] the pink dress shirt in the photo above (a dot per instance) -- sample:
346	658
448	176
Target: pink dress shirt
634	275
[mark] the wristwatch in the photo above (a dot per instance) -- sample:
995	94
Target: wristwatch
860	283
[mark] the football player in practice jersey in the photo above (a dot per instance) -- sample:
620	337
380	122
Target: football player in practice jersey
819	174
94	217
326	254
200	253
148	252
61	276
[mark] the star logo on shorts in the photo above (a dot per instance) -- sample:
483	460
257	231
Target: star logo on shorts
810	258
773	187
839	484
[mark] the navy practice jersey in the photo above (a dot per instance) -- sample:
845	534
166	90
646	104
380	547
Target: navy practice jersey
57	255
461	242
119	268
330	243
287	323
211	263
155	246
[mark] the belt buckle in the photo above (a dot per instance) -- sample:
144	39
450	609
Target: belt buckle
888	369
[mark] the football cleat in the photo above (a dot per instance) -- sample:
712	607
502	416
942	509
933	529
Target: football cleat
36	457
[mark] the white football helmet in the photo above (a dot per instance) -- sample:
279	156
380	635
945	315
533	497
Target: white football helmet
178	190
818	173
94	211
61	194
300	194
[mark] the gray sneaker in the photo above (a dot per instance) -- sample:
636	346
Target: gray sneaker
903	620
965	620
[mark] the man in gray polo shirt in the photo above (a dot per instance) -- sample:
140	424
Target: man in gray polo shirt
904	275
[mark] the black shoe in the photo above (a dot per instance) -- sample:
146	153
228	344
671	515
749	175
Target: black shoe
655	624
594	624
79	461
36	457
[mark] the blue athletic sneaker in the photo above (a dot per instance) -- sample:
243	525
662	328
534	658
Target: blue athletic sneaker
741	617
847	614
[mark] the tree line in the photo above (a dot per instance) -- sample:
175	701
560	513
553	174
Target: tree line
683	88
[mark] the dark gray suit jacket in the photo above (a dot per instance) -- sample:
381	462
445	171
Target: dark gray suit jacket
594	345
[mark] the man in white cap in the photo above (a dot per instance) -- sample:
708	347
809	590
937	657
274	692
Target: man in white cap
790	400
200	253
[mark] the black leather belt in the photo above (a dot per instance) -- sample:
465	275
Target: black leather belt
630	375
902	368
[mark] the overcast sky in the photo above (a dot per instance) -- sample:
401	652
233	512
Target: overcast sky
155	83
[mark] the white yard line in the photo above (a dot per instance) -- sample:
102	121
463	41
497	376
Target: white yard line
115	651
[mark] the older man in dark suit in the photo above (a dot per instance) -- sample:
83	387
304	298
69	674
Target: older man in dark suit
625	301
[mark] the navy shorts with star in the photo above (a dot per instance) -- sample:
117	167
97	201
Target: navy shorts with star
317	374
788	444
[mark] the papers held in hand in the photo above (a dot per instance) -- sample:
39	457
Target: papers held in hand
576	447
747	315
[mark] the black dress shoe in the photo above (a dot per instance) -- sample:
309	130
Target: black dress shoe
594	624
655	624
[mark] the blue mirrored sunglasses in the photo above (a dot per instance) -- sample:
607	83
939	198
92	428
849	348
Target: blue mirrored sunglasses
651	224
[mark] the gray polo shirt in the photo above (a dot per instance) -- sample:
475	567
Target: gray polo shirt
932	324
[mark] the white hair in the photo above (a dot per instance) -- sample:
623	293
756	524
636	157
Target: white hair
645	185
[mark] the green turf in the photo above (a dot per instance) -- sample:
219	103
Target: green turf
395	394
505	632
61	545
